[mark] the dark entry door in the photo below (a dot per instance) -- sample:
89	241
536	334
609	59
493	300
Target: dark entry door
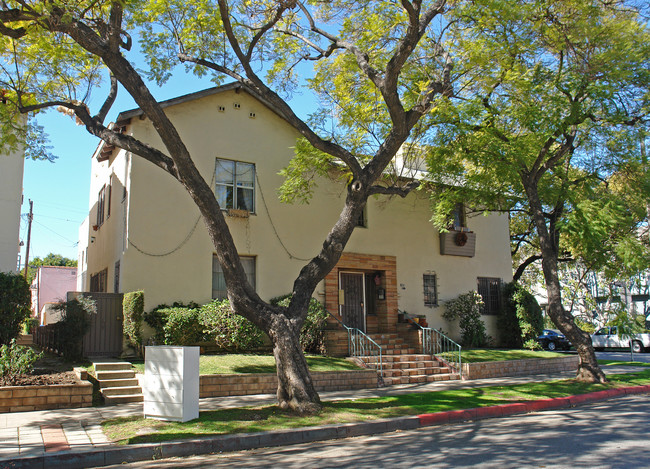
104	339
353	307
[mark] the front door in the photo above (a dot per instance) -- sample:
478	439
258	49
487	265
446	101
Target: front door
353	309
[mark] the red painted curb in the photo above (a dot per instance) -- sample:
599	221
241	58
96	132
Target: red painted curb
582	398
514	408
487	412
434	419
544	404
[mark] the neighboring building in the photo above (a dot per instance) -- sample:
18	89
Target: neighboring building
11	198
51	285
144	232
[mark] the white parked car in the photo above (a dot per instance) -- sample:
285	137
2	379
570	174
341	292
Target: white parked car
607	337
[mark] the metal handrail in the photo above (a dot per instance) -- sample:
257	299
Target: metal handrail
438	345
362	345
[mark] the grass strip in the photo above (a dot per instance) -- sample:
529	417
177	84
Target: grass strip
252	363
133	430
496	355
619	363
257	363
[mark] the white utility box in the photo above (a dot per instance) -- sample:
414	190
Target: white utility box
171	383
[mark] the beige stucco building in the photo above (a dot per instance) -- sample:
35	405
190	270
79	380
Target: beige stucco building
11	198
144	232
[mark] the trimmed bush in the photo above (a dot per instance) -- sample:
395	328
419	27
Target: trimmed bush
157	318
15	305
520	320
16	360
467	309
230	332
133	310
71	329
312	334
182	326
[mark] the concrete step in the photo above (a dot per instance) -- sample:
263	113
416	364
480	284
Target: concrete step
104	375
25	339
121	391
112	400
406	358
118	383
112	366
419	379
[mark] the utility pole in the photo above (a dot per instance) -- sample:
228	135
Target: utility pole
29	235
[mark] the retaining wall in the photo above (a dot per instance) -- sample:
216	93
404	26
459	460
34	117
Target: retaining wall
54	396
267	383
530	366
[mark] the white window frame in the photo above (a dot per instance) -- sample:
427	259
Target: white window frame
234	185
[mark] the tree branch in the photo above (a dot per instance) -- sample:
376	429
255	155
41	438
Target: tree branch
395	190
522	267
110	100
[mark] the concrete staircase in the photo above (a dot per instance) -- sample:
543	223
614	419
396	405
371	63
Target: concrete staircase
403	364
117	382
25	339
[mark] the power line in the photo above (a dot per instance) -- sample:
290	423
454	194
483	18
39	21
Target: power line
56	218
50	229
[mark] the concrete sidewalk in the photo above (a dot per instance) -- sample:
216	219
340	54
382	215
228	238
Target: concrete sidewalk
73	437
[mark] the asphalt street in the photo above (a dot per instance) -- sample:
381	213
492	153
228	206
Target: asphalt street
624	356
609	434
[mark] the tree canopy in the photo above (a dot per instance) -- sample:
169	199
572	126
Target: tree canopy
50	259
556	101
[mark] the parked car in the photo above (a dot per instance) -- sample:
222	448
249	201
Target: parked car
607	337
553	340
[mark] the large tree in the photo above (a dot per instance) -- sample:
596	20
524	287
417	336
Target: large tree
378	67
553	88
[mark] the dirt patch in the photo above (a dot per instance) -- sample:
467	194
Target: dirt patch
67	377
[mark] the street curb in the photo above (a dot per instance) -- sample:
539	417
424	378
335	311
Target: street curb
244	441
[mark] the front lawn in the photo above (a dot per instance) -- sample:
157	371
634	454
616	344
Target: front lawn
496	355
251	363
133	430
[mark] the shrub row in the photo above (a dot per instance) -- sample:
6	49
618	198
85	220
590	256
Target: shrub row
189	324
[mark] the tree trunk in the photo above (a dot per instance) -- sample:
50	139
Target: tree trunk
295	387
588	369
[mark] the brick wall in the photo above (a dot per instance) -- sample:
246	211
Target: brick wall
530	366
266	383
58	396
386	309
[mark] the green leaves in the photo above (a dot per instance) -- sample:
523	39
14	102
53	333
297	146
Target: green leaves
301	174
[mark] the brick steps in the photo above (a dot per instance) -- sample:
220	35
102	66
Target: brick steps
403	365
117	382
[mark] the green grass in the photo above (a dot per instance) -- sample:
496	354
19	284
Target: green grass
133	430
250	363
494	355
614	362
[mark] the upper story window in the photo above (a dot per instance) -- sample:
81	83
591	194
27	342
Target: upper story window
459	220
362	221
235	185
108	202
490	290
101	202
